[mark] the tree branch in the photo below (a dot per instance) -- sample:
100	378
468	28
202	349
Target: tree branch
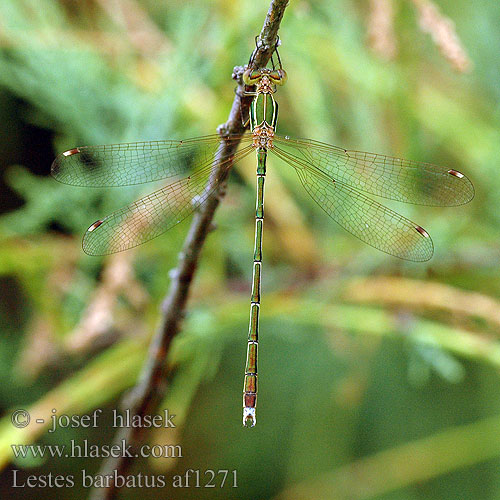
151	387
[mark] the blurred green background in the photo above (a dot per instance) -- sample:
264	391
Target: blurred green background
378	377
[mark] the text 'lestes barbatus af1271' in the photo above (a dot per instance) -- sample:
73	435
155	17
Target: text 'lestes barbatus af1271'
337	180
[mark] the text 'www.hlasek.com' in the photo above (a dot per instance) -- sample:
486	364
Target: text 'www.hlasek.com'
74	449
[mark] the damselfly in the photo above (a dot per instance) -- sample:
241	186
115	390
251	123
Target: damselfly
337	180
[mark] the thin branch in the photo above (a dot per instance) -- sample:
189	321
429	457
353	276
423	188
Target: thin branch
151	387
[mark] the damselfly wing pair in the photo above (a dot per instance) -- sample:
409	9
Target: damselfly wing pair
337	179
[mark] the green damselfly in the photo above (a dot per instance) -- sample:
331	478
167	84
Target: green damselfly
337	180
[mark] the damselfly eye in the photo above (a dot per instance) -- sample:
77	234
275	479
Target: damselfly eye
278	76
251	77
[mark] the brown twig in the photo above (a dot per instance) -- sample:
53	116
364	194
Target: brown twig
97	326
151	387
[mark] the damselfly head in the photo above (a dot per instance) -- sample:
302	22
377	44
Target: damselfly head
265	77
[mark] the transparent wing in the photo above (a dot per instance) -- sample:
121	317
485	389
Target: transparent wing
366	219
137	162
154	214
385	176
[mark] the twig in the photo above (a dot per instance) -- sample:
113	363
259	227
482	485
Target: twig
97	327
151	387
